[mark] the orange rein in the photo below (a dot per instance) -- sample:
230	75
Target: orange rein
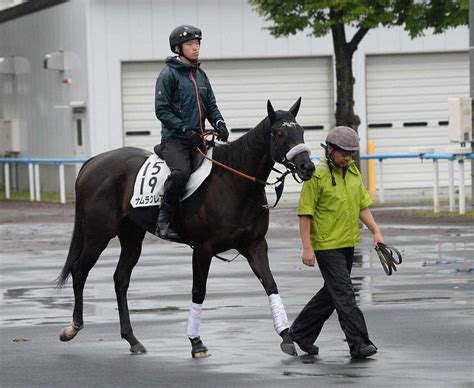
211	133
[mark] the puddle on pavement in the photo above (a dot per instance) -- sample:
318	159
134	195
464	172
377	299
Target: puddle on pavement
337	375
166	309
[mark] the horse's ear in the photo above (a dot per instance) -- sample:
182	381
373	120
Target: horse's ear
296	107
271	111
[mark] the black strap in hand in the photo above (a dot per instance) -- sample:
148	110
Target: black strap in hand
386	255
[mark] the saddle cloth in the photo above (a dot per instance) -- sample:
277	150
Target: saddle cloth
150	181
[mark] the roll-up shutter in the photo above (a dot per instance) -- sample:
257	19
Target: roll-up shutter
407	107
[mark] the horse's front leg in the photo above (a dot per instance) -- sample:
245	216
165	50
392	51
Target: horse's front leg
202	256
257	256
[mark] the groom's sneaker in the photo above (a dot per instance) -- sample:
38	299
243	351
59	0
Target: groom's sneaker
307	348
363	351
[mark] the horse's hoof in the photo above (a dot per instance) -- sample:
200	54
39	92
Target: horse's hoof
69	332
288	348
200	354
287	345
198	350
138	349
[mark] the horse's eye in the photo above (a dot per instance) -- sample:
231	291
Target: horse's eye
279	133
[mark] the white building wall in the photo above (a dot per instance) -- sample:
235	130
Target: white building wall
124	30
105	33
37	97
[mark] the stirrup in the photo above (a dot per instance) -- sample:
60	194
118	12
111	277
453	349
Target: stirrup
167	233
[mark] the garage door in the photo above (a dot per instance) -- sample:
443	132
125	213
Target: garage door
407	106
242	88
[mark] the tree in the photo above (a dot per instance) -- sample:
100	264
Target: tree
322	16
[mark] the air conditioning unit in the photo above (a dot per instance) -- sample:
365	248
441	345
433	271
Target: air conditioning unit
460	119
9	137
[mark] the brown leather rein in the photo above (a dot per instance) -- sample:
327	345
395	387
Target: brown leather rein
240	173
278	189
280	181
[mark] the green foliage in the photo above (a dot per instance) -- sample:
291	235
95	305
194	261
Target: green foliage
290	16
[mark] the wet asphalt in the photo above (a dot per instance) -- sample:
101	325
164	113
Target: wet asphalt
421	318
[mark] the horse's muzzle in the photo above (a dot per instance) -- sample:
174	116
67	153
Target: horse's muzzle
304	166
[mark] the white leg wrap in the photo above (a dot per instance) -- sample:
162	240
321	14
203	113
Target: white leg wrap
194	320
280	320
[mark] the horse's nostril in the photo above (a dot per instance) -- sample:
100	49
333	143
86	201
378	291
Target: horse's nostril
307	167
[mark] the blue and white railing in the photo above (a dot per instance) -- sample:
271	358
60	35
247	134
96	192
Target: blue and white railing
451	157
35	182
34	174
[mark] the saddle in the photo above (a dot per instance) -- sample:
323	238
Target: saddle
196	160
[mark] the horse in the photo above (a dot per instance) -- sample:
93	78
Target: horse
230	213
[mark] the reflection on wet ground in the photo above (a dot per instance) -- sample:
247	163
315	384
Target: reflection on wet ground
436	268
433	286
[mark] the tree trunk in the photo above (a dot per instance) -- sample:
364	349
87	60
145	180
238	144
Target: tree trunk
344	79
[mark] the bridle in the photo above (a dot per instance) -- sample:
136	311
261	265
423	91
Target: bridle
279	183
284	159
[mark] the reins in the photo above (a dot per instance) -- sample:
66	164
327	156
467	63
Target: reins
240	173
279	182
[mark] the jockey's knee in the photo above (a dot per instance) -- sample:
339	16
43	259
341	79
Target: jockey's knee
180	177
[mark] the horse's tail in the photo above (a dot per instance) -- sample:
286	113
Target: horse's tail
75	249
77	240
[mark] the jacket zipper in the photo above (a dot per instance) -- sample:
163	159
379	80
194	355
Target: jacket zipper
198	99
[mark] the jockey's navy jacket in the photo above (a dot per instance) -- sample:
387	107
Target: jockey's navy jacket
184	99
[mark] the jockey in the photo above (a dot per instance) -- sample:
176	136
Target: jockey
183	101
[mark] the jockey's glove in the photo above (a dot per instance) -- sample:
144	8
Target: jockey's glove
222	131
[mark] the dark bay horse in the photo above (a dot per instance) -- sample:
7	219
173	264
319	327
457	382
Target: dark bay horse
230	215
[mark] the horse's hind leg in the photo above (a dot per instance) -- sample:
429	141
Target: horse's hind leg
131	238
80	271
257	256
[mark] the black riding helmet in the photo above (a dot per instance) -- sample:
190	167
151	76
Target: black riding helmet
182	34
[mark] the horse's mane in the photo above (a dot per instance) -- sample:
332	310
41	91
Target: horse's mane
238	152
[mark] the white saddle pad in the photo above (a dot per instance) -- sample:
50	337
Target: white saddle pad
150	181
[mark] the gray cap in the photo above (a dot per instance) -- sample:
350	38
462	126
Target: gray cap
344	138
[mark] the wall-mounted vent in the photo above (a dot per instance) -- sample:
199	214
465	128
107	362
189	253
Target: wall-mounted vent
14	65
9	137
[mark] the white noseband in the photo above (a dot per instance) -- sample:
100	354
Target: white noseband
297	149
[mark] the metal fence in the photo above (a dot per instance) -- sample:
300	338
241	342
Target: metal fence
34	176
35	181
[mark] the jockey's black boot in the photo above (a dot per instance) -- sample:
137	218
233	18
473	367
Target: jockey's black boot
163	227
